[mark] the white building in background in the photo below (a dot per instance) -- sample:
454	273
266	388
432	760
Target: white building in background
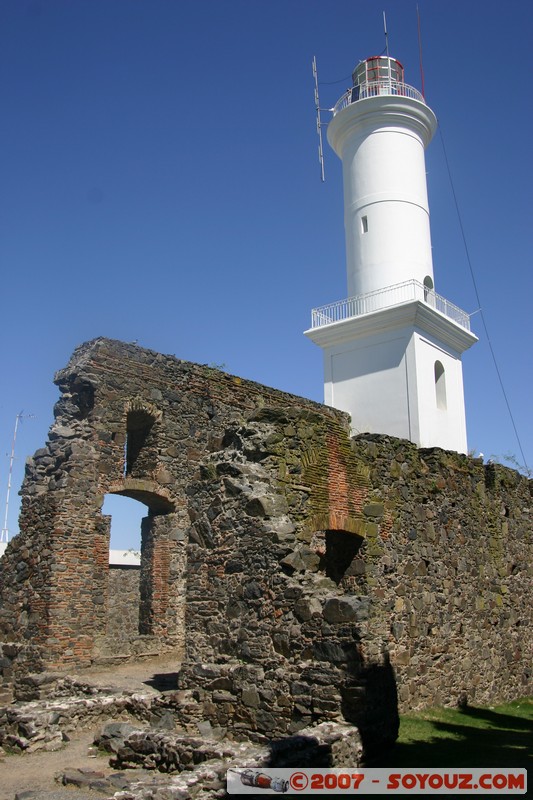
124	558
392	350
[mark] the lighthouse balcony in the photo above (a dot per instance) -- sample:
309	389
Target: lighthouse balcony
377	89
395	295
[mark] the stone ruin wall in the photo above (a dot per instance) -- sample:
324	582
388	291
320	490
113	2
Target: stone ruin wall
56	573
123	593
296	574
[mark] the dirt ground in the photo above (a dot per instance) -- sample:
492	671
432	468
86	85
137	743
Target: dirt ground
35	772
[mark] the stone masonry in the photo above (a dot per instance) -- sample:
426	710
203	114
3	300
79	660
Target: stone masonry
297	576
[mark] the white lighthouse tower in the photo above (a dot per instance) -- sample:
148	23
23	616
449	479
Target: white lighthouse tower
392	350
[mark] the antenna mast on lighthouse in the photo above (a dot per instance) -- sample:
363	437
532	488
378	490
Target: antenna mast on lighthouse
386	42
318	123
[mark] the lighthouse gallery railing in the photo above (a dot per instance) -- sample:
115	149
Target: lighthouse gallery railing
385	298
377	89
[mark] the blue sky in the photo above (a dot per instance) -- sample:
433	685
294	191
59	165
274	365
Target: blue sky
159	183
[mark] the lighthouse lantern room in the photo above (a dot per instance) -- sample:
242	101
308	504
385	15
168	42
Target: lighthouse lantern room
392	349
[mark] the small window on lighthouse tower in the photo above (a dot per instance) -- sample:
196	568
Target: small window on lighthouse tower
364	224
440	386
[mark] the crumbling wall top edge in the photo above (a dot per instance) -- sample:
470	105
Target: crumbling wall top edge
86	355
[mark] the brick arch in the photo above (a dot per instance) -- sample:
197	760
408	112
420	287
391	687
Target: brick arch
334	521
139	404
151	493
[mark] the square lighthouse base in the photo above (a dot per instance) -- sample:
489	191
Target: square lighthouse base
402	379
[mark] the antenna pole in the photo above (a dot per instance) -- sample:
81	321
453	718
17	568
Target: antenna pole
387	46
318	123
4	535
386	34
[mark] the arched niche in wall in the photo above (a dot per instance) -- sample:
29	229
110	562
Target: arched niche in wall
440	385
140	450
338	550
428	289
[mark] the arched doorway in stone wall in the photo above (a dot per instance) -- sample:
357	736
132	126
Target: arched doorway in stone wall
145	596
123	592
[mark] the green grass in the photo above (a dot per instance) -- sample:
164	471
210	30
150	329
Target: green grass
497	736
